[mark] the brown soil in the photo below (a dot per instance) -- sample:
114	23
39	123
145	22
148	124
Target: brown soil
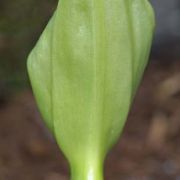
148	149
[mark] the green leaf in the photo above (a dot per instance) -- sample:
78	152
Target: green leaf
85	70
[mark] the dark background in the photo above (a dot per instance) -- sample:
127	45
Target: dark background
149	147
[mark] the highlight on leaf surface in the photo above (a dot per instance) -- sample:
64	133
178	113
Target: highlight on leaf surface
85	70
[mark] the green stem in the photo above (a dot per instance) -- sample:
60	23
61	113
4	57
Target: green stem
87	171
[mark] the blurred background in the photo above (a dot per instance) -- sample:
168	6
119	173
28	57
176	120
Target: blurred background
150	145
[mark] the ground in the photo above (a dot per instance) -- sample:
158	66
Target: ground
148	149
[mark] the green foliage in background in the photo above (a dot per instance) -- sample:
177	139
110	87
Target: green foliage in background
85	70
20	25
